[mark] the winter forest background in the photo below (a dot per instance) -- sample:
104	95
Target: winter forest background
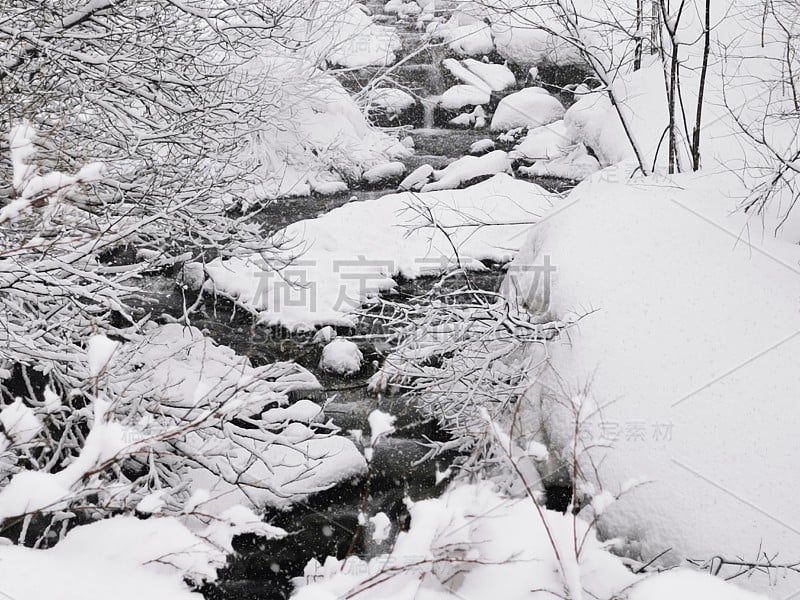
416	299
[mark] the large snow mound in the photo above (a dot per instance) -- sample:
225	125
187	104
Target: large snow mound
686	374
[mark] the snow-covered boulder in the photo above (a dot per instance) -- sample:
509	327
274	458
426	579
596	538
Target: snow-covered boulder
486	76
475	119
469	168
459	96
471	39
481	147
576	165
392	101
341	356
417	178
496	77
384	174
531	107
545	142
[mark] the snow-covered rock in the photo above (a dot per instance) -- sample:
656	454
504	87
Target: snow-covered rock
543	143
341	356
464	120
469	168
531	107
324	335
381	424
577	165
391	100
481	147
381	527
485	76
417	178
496	77
385	173
459	96
471	39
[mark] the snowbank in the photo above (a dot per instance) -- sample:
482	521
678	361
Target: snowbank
685	376
474	543
121	558
352	252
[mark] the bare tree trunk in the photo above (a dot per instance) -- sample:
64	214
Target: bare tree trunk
637	57
671	74
699	115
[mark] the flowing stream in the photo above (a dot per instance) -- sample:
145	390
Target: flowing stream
327	524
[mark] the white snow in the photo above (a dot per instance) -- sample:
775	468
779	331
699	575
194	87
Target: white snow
417	178
303	411
496	77
341	356
329	287
481	147
100	351
381	424
471	39
324	335
383	173
151	503
474	543
530	107
485	76
459	96
20	423
392	100
543	143
381	527
346	36
577	164
458	70
468	168
316	124
52	401
684	403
